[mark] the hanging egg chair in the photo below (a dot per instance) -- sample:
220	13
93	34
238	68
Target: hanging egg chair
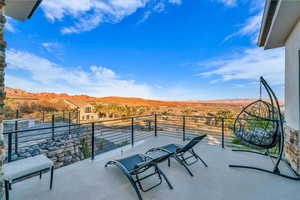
257	125
260	126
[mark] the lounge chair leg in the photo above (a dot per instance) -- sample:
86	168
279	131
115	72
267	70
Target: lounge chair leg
132	182
6	190
51	178
169	162
134	186
184	165
189	171
201	160
165	177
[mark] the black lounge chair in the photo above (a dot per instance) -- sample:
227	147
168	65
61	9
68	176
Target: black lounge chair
179	152
137	164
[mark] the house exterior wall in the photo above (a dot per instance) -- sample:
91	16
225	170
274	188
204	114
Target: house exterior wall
292	78
87	113
292	98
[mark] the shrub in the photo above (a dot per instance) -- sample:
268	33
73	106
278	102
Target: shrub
85	149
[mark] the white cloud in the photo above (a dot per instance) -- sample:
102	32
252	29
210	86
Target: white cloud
250	28
57	9
228	2
52	46
248	65
85	23
176	1
257	5
103	72
36	74
9	26
157	8
89	14
30	72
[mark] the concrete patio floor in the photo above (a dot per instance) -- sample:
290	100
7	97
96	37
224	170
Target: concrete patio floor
89	180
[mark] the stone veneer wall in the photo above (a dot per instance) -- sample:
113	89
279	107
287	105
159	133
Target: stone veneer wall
63	150
292	148
2	94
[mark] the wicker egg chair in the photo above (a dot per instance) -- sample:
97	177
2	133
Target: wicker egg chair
260	126
257	125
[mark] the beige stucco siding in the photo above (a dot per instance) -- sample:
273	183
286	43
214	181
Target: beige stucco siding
292	77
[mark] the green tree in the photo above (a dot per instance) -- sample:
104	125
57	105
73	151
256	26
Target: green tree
228	117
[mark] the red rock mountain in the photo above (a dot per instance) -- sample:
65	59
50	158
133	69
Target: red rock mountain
21	94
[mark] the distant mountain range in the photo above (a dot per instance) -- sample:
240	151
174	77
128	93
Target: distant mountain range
21	94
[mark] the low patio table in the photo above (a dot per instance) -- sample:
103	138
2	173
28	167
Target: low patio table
158	156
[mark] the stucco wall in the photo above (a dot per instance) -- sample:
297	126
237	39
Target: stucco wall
292	99
292	77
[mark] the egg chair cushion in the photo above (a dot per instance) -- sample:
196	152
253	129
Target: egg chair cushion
257	138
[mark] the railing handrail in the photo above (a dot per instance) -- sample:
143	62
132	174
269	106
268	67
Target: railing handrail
118	119
74	124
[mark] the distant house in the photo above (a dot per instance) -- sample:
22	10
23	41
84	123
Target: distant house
86	110
211	119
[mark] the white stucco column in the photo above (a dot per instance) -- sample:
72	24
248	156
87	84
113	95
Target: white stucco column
292	97
292	78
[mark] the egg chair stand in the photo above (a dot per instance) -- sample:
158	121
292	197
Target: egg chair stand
260	126
275	170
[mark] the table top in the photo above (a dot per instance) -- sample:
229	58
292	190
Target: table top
159	156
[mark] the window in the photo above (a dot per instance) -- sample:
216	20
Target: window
88	110
87	117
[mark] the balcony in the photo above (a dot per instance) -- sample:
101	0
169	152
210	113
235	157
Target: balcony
80	152
89	180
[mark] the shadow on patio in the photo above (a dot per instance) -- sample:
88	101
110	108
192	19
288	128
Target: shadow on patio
90	180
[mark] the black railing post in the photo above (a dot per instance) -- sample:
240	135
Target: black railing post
69	122
63	117
17	114
78	116
16	136
183	128
16	132
155	124
93	141
9	147
43	116
53	123
132	131
223	133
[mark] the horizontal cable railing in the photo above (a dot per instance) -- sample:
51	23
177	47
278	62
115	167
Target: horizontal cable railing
66	142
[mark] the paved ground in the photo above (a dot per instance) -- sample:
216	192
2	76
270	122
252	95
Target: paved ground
87	180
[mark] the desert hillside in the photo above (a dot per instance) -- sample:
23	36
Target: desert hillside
112	107
18	94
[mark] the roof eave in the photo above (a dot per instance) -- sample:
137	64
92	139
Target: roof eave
285	19
20	9
34	8
268	15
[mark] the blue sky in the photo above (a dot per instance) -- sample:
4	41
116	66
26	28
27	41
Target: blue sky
159	49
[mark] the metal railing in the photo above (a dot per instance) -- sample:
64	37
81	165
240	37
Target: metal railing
44	116
102	136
